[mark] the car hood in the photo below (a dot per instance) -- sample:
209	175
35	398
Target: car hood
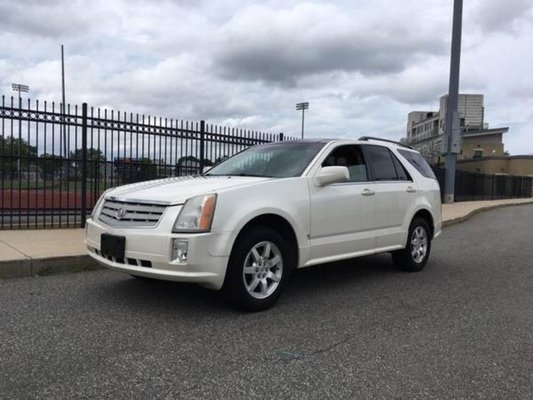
178	190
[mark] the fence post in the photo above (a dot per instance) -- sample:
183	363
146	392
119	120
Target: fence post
202	145
83	164
281	136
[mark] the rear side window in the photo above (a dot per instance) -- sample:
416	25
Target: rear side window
382	163
418	162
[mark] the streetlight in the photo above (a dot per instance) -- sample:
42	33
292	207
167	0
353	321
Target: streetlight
303	107
17	87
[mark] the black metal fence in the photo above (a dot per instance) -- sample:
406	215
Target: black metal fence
55	163
470	186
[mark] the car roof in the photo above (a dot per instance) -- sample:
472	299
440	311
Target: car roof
363	140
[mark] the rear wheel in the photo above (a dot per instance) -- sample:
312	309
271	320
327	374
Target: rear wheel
258	268
416	253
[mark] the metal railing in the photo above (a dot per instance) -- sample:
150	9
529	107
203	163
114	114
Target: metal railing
54	166
471	186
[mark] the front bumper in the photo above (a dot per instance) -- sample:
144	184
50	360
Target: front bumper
148	254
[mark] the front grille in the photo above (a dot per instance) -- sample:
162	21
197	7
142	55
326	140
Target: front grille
122	214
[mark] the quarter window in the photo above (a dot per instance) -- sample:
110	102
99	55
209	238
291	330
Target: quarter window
403	175
417	161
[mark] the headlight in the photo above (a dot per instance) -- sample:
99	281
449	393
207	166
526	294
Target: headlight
99	202
196	214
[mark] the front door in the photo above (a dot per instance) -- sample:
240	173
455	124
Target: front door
342	214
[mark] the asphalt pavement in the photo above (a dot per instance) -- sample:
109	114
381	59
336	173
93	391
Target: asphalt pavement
462	328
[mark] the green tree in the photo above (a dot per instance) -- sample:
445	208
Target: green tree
10	150
135	169
50	164
147	169
95	159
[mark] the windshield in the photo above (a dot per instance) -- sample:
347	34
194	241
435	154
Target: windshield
276	160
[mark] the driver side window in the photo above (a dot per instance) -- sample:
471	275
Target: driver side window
351	157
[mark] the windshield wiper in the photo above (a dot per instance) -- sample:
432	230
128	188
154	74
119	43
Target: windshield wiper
243	174
256	175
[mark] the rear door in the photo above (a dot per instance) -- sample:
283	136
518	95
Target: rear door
395	192
342	214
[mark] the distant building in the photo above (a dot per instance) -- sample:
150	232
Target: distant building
188	165
521	165
425	130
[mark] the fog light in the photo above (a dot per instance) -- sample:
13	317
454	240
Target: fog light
180	248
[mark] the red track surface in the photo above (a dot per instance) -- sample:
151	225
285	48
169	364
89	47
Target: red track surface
39	198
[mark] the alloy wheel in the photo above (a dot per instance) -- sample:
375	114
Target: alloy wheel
419	244
262	270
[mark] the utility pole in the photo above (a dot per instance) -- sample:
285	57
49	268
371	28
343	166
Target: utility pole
63	108
303	107
453	134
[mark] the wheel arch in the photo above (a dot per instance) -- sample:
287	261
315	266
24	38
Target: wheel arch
277	222
425	214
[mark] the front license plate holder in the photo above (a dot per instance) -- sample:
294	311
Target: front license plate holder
112	245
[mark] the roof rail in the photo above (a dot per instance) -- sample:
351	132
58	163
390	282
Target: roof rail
366	138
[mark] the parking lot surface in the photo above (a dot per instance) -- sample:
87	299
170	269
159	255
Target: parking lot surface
462	328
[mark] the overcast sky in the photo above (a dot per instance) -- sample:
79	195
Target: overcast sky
362	65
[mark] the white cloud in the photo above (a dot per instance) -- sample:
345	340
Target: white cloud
497	15
362	65
313	38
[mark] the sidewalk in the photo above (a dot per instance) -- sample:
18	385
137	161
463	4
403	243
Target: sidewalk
45	251
459	212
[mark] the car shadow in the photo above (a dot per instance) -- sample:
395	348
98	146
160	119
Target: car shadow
341	274
306	283
150	295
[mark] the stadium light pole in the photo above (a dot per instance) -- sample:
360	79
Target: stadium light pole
303	107
18	87
453	130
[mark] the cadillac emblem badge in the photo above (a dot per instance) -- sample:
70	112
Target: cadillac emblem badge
121	212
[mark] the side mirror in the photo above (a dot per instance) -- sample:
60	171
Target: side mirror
205	169
329	175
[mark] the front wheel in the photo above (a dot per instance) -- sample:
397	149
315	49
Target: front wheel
416	253
258	268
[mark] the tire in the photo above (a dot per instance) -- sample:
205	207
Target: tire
416	253
258	268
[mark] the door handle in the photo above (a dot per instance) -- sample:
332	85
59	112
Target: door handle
410	189
368	192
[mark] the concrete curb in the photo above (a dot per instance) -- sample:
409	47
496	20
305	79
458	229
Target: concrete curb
468	215
47	266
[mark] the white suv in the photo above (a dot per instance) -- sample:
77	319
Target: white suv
248	222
